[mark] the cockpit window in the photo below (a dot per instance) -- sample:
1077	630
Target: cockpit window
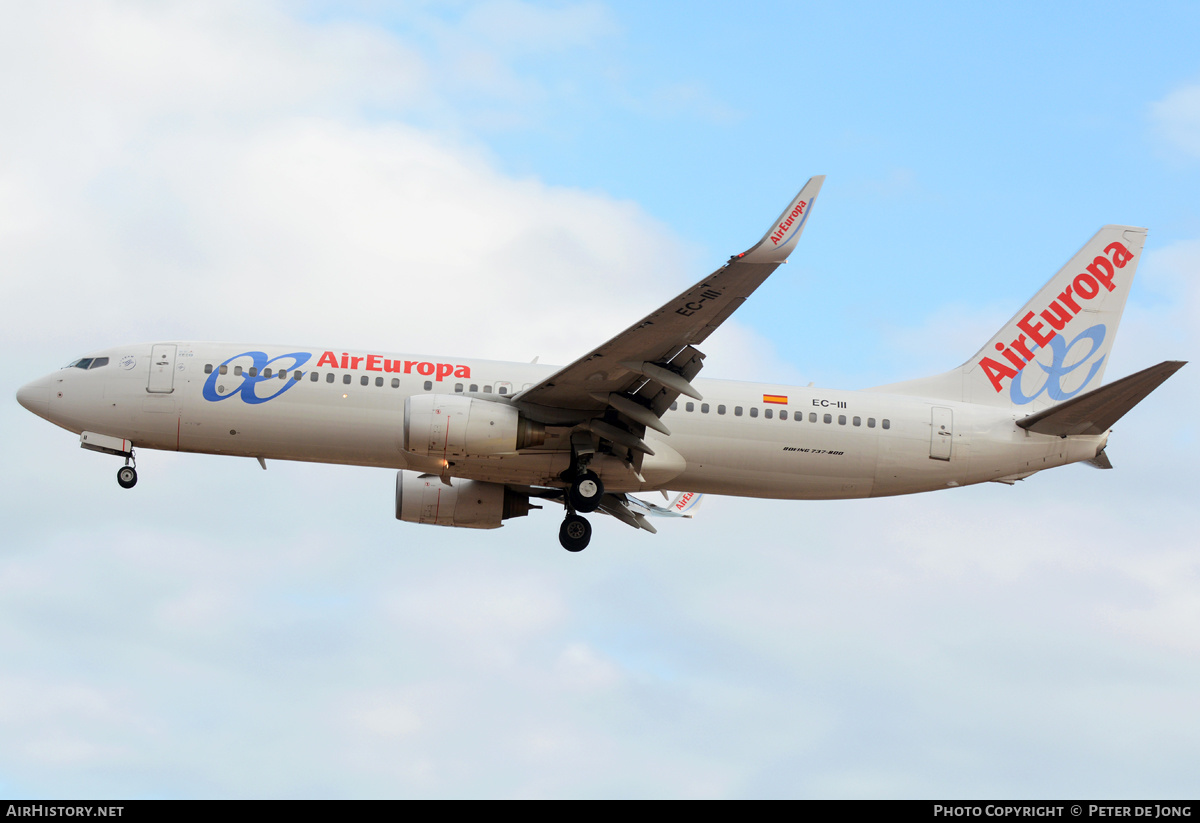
99	362
84	363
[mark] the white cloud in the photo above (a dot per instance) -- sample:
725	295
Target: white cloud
249	206
1177	119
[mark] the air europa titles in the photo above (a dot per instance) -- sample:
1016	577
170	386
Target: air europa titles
376	362
786	223
1062	310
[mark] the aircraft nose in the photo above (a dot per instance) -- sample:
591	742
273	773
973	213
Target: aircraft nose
35	396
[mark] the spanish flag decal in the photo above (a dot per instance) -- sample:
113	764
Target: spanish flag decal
775	398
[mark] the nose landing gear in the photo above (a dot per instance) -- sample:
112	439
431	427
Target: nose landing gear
127	474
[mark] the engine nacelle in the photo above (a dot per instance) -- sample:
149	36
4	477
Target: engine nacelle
451	425
470	504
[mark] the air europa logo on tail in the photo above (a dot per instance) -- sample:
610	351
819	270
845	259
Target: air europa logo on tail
786	223
1058	314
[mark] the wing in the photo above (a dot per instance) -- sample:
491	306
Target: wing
623	386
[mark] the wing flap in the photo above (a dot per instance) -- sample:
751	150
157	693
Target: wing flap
1097	411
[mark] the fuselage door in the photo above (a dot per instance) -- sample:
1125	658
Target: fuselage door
942	437
162	369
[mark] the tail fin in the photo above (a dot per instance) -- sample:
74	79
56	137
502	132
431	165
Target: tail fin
1057	345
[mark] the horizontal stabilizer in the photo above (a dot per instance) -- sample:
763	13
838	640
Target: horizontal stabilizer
1096	411
681	506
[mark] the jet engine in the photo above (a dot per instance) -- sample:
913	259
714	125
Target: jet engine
451	425
470	504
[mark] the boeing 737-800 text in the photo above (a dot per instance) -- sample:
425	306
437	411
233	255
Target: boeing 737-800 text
476	441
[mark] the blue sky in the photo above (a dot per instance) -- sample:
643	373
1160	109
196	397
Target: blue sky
516	179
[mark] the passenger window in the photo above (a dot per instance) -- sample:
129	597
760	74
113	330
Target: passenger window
857	421
283	374
754	411
829	418
297	374
313	376
768	413
429	386
674	406
689	406
208	368
395	382
812	417
458	387
721	409
486	389
704	408
504	389
783	414
870	422
737	411
329	378
474	387
346	379
364	380
253	371
378	381
237	370
224	370
887	424
841	419
266	372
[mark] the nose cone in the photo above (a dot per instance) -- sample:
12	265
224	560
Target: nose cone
35	396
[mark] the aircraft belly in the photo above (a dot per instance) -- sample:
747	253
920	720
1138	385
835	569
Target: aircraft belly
778	461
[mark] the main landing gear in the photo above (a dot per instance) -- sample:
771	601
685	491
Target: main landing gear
586	491
127	474
583	496
575	533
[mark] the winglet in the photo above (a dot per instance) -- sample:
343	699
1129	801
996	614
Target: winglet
779	241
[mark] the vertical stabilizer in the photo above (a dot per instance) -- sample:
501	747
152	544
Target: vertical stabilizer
1057	345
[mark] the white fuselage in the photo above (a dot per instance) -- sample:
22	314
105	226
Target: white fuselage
347	407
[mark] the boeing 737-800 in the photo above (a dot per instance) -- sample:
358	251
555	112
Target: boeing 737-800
475	441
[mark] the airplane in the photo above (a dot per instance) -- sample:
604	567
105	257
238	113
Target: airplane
476	442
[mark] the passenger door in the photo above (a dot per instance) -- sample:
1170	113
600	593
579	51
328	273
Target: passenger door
942	439
162	369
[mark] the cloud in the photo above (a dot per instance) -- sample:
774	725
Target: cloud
1177	119
262	207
